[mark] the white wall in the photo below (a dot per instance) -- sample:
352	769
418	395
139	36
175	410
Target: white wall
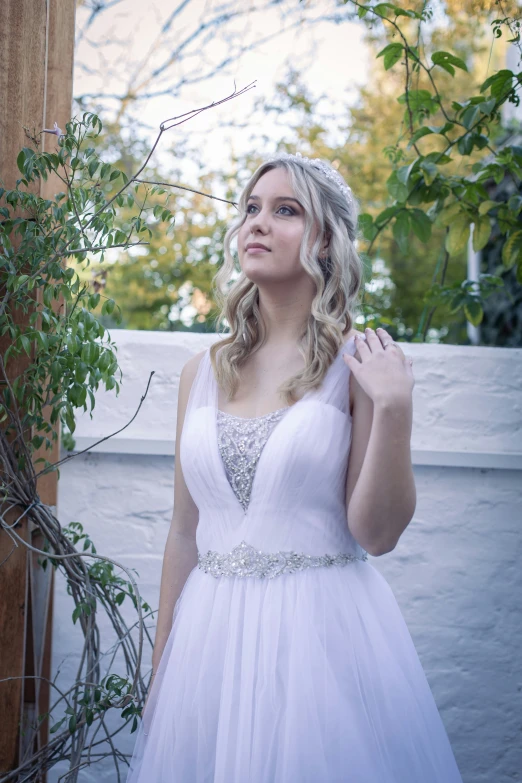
455	573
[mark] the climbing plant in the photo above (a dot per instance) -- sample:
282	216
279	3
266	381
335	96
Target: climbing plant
70	356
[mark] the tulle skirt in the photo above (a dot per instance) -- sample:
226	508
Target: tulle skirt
309	677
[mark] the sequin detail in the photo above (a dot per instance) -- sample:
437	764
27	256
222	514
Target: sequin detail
241	441
245	560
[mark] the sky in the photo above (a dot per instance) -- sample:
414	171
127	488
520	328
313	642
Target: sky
121	48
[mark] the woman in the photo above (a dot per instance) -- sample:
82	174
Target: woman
281	655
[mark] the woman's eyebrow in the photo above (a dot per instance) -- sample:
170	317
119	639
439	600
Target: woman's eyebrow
279	198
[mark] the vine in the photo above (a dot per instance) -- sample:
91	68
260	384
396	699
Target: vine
69	357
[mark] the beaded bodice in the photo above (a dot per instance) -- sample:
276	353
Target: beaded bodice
270	490
241	441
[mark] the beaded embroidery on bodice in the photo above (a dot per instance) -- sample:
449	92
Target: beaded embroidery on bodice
241	441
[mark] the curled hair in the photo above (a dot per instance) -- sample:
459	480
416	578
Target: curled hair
338	279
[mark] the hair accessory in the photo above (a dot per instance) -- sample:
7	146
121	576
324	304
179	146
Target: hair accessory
329	172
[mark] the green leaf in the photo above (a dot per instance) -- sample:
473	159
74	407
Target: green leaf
418	135
442	129
465	144
71	424
421	224
438	158
417	99
403	172
515	203
470	116
447	61
396	188
20	160
56	726
26	343
512	250
381	8
369	231
519	271
42	340
481	232
391	53
486	107
474	312
93	165
500	83
385	215
429	170
401	230
458	234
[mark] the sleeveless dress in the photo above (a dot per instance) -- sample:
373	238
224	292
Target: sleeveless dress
289	660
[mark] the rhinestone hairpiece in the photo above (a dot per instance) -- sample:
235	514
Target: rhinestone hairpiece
325	169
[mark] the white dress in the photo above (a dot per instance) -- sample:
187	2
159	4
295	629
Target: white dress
284	669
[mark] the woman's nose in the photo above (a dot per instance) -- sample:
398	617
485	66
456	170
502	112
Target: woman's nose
259	222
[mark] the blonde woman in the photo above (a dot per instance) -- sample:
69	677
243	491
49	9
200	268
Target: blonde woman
281	655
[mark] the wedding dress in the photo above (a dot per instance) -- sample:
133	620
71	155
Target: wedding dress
289	660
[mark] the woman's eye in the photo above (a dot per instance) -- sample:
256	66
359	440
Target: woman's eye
290	210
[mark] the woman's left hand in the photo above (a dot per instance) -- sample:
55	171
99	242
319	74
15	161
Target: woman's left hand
384	372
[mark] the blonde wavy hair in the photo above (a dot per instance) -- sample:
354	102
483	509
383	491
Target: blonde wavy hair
338	279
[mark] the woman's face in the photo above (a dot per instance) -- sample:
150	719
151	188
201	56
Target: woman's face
276	220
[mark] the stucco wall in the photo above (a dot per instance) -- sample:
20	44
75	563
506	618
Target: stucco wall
455	572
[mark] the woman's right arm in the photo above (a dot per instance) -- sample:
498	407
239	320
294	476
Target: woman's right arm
180	550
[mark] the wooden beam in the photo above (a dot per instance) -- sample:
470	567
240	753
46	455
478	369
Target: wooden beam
36	73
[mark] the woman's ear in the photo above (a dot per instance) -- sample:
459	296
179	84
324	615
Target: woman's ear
323	253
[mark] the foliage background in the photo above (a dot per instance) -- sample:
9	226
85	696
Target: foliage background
167	286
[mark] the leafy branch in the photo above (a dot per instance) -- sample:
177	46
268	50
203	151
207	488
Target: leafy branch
422	194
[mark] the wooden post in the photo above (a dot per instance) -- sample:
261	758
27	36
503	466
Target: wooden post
36	72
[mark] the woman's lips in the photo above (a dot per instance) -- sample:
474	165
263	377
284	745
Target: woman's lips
256	250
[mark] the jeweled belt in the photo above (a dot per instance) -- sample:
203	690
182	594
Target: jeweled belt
245	560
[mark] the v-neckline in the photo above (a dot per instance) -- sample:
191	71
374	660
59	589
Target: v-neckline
288	408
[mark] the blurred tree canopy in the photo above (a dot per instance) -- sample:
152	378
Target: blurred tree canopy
167	286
